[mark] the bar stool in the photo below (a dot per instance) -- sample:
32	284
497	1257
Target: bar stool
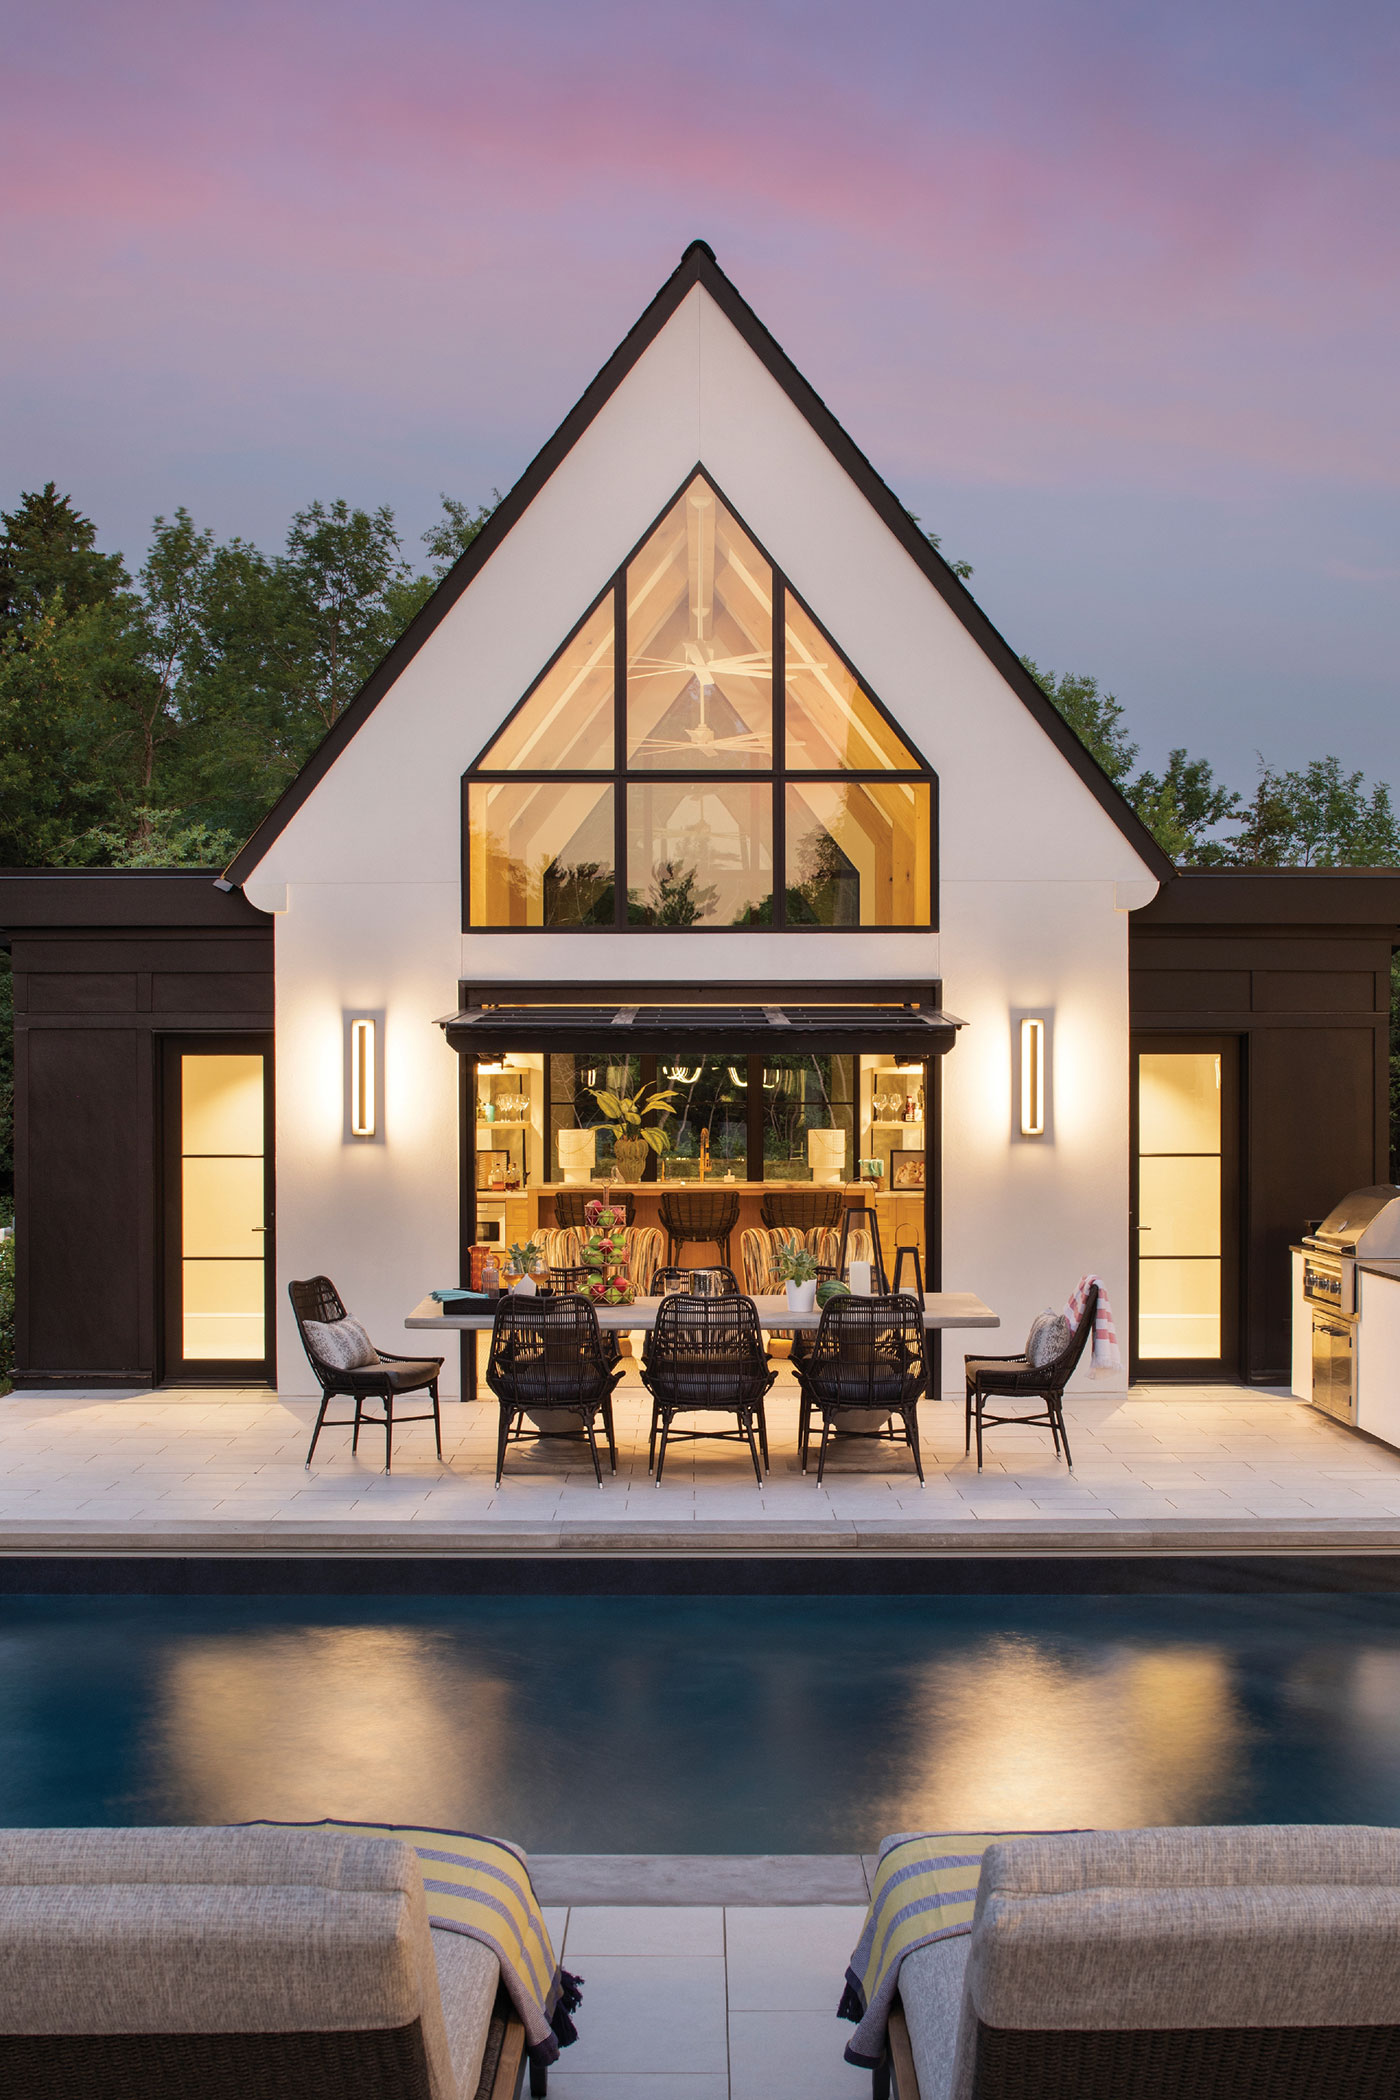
867	1221
803	1210
698	1217
569	1206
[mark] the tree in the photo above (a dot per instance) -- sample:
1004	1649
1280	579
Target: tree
1183	806
1319	817
54	747
47	546
1096	718
449	539
961	569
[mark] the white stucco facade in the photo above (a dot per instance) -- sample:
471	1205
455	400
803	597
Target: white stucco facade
1035	877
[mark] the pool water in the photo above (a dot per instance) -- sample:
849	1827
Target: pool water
711	1724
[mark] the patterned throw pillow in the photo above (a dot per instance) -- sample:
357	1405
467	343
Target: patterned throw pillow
1048	1336
342	1345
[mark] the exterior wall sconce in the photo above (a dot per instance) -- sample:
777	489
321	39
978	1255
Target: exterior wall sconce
363	1060
364	1077
1032	1077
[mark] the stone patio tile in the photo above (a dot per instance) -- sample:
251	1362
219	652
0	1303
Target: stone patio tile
650	2015
790	1960
791	2056
646	1932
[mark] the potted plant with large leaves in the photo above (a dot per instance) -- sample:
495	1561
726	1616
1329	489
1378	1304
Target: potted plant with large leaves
633	1136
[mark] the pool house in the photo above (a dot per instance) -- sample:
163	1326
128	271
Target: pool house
701	772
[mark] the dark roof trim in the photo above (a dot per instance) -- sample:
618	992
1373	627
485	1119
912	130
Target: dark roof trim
698	266
99	898
774	1030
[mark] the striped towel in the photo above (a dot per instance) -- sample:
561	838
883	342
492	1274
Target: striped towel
1105	1355
480	1887
924	1890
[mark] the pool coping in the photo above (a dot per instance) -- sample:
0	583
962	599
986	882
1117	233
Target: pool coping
971	1538
409	1575
677	1880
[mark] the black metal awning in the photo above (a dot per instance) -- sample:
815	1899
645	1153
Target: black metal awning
910	1031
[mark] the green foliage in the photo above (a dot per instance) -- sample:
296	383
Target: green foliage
623	1114
795	1263
961	569
47	546
1183	807
1096	718
1318	818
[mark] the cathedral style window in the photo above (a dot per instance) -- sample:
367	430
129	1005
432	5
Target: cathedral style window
699	754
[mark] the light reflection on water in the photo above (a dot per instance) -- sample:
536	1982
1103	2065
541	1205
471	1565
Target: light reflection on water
1013	1735
702	1724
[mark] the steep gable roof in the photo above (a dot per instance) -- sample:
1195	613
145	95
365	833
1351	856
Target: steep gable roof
698	267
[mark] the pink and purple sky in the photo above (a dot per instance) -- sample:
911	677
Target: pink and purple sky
1109	293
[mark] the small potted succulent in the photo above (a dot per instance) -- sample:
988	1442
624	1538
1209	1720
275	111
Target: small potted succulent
525	1266
797	1268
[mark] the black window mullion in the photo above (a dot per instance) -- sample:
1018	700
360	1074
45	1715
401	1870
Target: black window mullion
620	751
779	757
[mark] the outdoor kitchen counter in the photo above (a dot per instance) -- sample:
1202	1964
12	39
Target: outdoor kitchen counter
1378	1349
941	1309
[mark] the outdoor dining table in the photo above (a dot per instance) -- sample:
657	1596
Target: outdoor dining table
941	1309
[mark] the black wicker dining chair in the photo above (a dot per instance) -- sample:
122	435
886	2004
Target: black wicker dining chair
704	1217
1017	1378
802	1210
387	1379
568	1282
869	1356
707	1357
547	1357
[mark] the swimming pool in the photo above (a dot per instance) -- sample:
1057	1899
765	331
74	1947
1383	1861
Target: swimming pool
701	1724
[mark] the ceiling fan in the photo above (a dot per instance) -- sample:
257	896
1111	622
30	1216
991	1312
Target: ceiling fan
705	671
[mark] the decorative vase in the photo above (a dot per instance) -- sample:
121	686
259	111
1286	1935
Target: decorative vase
630	1157
802	1297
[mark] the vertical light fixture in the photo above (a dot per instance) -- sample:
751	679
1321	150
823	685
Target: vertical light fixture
1032	1077
363	1077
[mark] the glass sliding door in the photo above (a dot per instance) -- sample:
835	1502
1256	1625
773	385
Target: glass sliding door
1183	1209
218	1223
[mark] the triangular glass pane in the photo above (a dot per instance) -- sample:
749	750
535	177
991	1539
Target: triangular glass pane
831	724
566	725
699	644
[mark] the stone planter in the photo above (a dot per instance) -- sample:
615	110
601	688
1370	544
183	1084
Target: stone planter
630	1157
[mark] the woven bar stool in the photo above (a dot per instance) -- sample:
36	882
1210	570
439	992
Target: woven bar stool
697	1217
569	1203
802	1210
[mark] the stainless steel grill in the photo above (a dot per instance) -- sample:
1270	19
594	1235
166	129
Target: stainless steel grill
1365	1225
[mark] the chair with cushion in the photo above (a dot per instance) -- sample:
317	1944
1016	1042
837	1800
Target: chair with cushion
803	1209
346	1362
698	1216
1163	1965
869	1363
706	1356
547	1360
240	1965
1041	1372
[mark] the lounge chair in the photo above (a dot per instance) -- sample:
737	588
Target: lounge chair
1163	1965
240	1965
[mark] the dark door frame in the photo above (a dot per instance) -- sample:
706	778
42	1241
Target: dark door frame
173	1366
1198	1370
